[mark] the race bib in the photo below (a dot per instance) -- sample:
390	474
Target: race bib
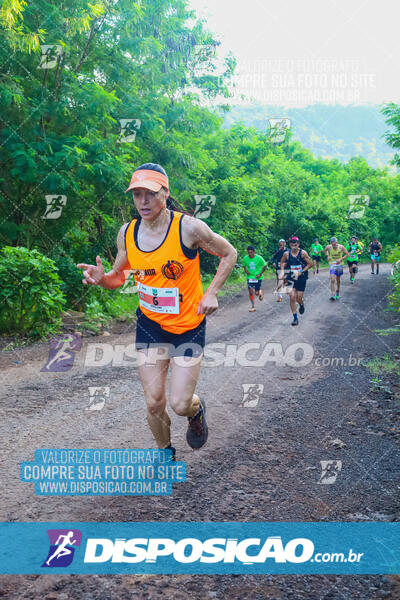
253	280
159	300
376	253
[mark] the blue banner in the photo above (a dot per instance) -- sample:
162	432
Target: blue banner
197	547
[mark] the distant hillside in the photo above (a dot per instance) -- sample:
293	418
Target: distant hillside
328	131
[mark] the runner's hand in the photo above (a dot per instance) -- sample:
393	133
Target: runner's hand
92	274
208	304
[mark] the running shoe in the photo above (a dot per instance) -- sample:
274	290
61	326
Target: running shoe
279	299
372	273
295	322
351	279
337	297
301	309
197	431
332	298
253	309
173	457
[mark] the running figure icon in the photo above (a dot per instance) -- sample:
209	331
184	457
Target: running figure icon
62	549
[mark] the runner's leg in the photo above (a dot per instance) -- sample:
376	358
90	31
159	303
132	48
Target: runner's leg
184	378
251	296
279	284
292	298
299	298
293	305
154	379
333	284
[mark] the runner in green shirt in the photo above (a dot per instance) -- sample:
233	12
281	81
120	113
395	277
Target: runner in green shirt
315	254
254	266
354	249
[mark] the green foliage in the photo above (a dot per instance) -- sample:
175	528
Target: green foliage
60	128
394	257
71	281
60	135
30	292
392	114
104	305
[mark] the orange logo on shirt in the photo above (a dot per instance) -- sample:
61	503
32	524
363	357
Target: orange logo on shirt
141	273
172	269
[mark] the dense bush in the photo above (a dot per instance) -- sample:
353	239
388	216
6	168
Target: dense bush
30	292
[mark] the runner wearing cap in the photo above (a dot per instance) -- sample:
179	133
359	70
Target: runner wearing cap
335	254
254	266
315	253
276	261
162	246
296	262
375	249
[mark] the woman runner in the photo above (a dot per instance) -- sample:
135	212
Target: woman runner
162	246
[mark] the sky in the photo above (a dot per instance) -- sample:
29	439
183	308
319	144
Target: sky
294	53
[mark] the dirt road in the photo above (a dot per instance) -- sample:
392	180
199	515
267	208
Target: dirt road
311	402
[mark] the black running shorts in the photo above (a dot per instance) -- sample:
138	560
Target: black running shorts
150	334
299	284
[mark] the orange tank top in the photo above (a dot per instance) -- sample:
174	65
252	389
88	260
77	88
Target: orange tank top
168	277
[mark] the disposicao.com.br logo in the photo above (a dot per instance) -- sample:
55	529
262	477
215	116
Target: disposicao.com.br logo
247	551
201	547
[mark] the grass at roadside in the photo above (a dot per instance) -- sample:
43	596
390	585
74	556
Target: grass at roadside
388	364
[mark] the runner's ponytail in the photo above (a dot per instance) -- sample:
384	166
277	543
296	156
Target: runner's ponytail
174	205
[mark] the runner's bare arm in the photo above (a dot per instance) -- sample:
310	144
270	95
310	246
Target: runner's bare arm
327	249
196	234
262	270
282	265
94	274
308	261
